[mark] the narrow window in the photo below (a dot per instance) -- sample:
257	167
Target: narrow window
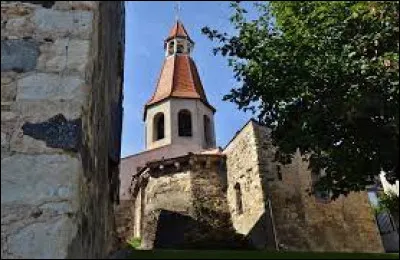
323	195
207	130
171	48
179	48
239	202
279	172
158	126
185	123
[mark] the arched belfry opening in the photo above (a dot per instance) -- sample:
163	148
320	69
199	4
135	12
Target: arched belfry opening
159	126
185	123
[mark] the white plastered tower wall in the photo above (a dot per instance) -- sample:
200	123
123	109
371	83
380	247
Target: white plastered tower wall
178	89
170	108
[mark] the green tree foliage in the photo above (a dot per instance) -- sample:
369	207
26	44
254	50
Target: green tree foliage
389	202
324	76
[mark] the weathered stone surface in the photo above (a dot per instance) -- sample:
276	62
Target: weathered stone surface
25	144
8	116
57	132
57	233
32	179
55	23
4	141
17	28
185	207
50	87
243	174
45	4
19	55
75	5
57	203
36	111
8	86
11	9
303	223
64	54
8	91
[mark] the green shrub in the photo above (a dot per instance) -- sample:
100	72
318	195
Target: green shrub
389	202
135	242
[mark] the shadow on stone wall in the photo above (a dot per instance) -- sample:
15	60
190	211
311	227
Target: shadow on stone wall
175	230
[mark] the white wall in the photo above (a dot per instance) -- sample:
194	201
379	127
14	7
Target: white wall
387	187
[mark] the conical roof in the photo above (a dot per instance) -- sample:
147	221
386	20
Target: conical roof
178	30
179	77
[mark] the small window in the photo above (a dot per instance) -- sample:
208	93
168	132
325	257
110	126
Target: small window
279	172
171	46
323	196
179	48
238	196
184	123
158	126
207	130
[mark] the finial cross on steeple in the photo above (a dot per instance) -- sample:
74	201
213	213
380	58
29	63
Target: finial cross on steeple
177	9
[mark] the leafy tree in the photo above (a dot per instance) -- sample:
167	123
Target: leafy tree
324	76
389	202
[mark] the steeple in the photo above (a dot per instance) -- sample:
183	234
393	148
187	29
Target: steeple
179	77
178	114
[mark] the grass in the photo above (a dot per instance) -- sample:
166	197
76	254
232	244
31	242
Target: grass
232	254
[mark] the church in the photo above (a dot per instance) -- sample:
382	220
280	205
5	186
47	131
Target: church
183	191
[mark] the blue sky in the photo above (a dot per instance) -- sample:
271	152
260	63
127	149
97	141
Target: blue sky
147	25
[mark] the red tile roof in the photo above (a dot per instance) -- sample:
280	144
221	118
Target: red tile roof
178	30
179	78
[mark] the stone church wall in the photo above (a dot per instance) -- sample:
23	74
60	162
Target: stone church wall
243	169
187	207
61	114
305	223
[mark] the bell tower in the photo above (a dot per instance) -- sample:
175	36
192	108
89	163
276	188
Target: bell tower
178	114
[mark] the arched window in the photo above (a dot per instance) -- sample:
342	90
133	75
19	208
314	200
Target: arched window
185	123
179	47
238	197
207	130
171	46
158	126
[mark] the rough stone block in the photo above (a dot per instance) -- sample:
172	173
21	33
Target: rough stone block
50	86
19	55
32	179
25	144
8	116
55	23
8	91
28	241
40	110
64	54
74	5
17	28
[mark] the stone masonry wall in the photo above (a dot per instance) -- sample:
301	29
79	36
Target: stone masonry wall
61	92
186	207
304	223
243	169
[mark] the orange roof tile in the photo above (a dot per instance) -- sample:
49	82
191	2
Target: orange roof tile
179	78
178	30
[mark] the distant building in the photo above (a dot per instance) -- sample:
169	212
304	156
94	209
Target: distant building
183	192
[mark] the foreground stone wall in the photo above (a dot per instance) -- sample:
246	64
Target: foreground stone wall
305	223
61	91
